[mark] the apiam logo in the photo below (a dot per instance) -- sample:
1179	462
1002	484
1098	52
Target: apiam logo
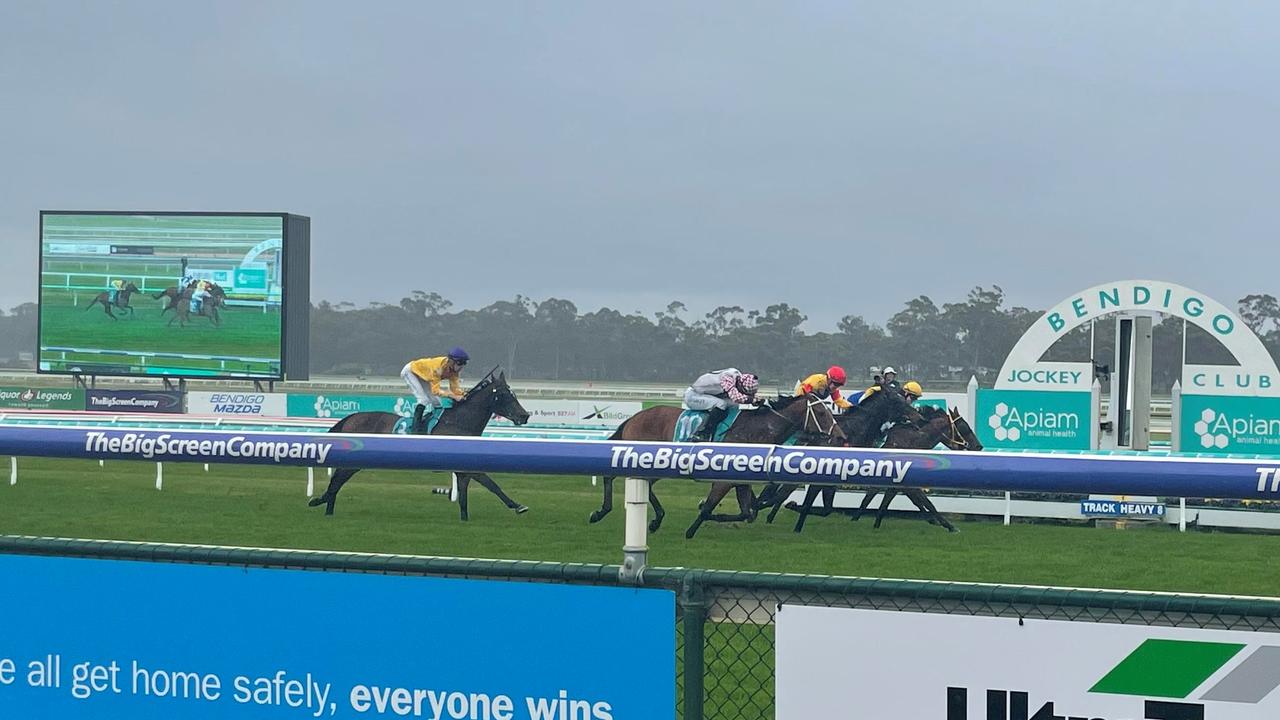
326	407
1171	670
1011	424
1217	429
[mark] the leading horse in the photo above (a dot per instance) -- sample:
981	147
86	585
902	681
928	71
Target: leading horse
468	417
121	301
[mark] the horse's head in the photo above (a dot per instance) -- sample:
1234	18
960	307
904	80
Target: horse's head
812	415
961	435
502	401
894	407
130	287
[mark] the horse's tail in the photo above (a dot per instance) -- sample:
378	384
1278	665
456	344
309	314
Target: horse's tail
91	304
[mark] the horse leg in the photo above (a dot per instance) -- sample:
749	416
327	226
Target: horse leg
714	496
767	495
889	495
488	484
464	481
867	497
779	499
828	495
923	502
340	478
106	308
658	512
606	504
809	495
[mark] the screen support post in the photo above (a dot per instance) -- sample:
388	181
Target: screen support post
271	386
181	385
78	380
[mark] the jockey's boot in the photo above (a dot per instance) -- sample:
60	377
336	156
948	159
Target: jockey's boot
419	419
708	429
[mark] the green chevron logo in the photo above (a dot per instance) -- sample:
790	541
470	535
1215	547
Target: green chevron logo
1176	668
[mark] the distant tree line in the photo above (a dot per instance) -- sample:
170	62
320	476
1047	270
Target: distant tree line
553	339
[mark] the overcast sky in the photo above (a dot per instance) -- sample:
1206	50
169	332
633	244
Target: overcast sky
840	156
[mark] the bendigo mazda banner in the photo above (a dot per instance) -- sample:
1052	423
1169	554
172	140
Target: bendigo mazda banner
237	403
149	401
200	641
839	662
183	295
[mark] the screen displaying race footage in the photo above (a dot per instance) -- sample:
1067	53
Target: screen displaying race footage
169	295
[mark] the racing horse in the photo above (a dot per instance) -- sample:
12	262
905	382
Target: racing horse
773	423
468	416
941	426
209	308
122	300
863	425
173	295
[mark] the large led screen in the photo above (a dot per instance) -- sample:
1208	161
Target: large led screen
177	295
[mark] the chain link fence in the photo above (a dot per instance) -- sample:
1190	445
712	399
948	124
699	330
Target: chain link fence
724	624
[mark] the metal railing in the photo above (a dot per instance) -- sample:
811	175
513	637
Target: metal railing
724	623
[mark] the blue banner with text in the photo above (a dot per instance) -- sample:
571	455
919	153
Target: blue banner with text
110	639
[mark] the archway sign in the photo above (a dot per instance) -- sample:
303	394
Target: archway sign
1053	405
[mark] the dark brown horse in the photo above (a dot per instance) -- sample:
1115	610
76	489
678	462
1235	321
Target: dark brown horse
468	416
121	303
940	426
173	295
863	426
773	423
209	309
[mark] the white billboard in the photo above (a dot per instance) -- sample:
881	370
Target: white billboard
852	664
238	404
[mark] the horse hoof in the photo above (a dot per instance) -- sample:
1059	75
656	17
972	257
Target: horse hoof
315	502
655	524
688	534
521	509
596	517
954	530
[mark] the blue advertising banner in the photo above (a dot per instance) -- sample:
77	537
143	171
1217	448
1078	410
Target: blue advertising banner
138	401
113	639
1243	478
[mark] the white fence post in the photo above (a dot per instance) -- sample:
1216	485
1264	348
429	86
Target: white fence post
1008	507
1182	514
311	481
13	470
159	476
635	550
972	391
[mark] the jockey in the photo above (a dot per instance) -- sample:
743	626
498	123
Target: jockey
718	391
826	385
116	286
432	370
890	379
198	296
912	390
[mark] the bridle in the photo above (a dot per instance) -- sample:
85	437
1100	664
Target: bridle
956	439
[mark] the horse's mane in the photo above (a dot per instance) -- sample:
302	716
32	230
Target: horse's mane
930	411
489	379
783	402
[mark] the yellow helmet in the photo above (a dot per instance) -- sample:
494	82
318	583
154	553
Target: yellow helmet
911	387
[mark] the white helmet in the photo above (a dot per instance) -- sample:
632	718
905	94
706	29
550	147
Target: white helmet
890	370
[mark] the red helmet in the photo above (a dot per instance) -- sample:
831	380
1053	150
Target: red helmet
835	374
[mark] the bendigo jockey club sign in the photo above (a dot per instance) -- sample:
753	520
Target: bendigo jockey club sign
1048	405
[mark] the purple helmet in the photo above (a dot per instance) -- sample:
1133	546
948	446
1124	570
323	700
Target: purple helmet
459	356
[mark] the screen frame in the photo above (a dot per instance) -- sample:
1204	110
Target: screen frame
284	299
